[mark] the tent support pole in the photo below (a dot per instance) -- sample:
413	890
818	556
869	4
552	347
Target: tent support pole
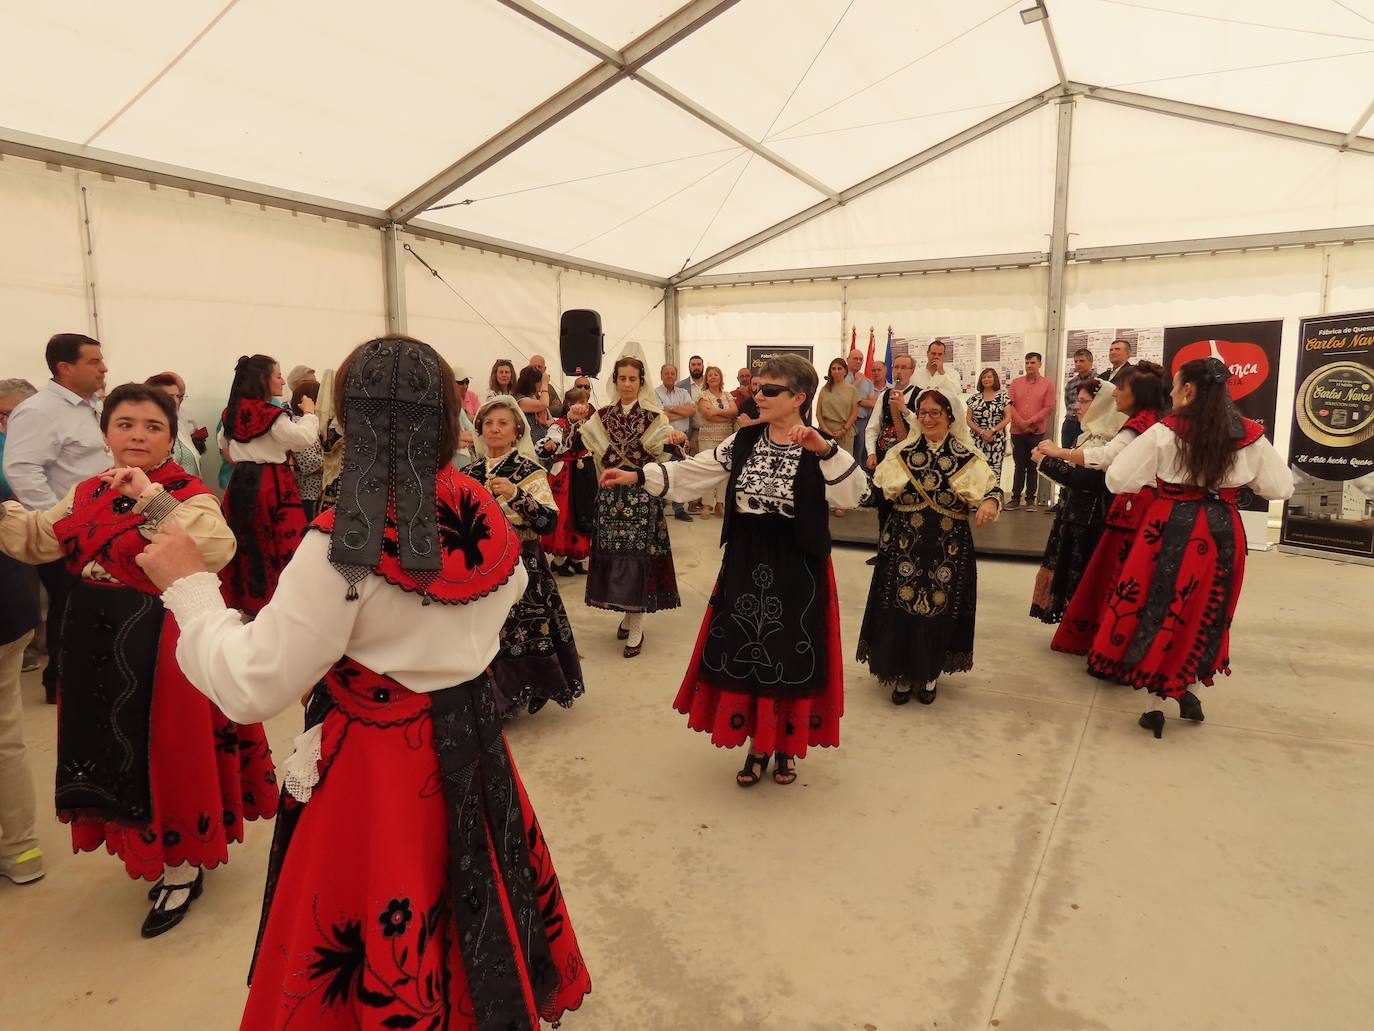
1059	251
672	329
395	274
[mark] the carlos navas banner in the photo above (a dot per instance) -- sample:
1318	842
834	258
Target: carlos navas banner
1251	351
1332	446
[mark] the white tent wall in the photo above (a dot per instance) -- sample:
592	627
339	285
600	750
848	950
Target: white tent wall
719	323
510	307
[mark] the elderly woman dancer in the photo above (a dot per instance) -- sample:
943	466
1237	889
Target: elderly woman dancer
922	603
1168	619
768	664
632	556
409	885
1082	512
538	661
146	766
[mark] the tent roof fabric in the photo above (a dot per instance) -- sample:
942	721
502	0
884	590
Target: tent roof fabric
656	135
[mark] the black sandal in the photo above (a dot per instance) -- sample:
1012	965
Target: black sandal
162	917
622	632
755	766
784	772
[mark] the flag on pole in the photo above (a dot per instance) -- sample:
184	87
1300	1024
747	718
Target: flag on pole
887	362
853	342
868	362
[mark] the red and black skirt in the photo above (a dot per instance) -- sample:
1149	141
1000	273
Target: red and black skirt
1083	615
565	541
768	663
262	505
1167	619
414	888
146	765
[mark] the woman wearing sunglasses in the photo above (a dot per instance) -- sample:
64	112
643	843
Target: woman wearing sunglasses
920	616
768	664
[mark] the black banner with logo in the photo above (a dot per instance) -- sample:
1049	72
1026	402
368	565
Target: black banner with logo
1251	351
1332	447
757	354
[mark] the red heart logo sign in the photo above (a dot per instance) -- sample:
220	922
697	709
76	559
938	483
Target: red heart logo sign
1248	363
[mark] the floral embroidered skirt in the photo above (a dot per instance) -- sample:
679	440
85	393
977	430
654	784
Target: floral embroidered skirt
159	775
262	505
414	888
565	541
1068	551
538	660
632	557
1167	619
923	600
768	664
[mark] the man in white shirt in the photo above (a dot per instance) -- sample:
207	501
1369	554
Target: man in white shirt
936	374
53	443
888	424
677	404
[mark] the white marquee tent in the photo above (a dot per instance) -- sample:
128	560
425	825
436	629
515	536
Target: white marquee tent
190	181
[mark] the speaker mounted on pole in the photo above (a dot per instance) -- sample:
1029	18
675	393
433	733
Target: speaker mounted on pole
581	342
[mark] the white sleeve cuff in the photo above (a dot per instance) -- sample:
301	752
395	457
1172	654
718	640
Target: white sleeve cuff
193	596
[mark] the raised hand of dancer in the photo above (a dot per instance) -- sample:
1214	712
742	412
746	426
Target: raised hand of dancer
810	438
128	481
987	512
578	412
173	554
306	405
501	487
618	478
677	437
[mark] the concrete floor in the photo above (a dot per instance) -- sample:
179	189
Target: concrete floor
1019	855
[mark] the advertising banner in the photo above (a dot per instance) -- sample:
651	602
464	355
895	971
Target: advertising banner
1251	351
757	354
1331	450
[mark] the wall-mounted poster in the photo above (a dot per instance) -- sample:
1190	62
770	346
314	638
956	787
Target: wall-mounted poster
757	354
1251	350
1331	450
1145	343
1005	352
961	355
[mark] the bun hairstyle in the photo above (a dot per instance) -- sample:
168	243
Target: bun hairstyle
1149	385
252	380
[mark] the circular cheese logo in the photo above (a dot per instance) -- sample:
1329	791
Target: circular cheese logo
1336	404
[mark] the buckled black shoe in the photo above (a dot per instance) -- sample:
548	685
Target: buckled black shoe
162	918
926	695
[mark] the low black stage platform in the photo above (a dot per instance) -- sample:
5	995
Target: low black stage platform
1018	534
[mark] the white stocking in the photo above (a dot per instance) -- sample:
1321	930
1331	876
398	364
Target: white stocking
177	881
634	623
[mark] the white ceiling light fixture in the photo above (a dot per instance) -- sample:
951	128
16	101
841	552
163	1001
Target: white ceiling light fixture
1031	15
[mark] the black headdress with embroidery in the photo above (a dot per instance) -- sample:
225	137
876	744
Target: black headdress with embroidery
392	416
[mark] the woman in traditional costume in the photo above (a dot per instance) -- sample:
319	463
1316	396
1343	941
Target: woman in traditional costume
1083	504
572	478
1142	394
262	502
538	661
1168	619
919	621
632	557
409	885
145	765
768	669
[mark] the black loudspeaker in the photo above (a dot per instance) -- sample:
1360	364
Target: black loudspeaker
580	342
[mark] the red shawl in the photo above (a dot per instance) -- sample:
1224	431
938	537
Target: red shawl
479	546
251	420
1245	433
103	527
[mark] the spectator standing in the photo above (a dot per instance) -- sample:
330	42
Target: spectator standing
744	399
467	431
678	405
184	451
1032	403
21	860
716	411
53	442
308	461
1119	354
935	375
868	394
13	392
299	375
502	379
532	395
555	398
1071	429
837	409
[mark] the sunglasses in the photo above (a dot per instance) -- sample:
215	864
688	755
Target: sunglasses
773	389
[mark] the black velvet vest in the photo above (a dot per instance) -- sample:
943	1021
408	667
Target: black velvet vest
811	525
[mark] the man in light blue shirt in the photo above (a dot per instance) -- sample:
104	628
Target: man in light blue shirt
53	442
678	406
867	397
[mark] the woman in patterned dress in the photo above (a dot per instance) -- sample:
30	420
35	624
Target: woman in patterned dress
571	470
988	419
768	668
717	411
919	621
538	660
632	557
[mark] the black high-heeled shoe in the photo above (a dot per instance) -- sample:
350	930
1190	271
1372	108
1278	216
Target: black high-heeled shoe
622	632
784	772
1190	707
162	917
1153	721
755	766
565	569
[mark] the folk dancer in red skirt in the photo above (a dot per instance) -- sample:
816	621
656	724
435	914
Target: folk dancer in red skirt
262	502
145	765
409	885
768	667
1141	393
1168	617
570	465
922	605
538	661
632	557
